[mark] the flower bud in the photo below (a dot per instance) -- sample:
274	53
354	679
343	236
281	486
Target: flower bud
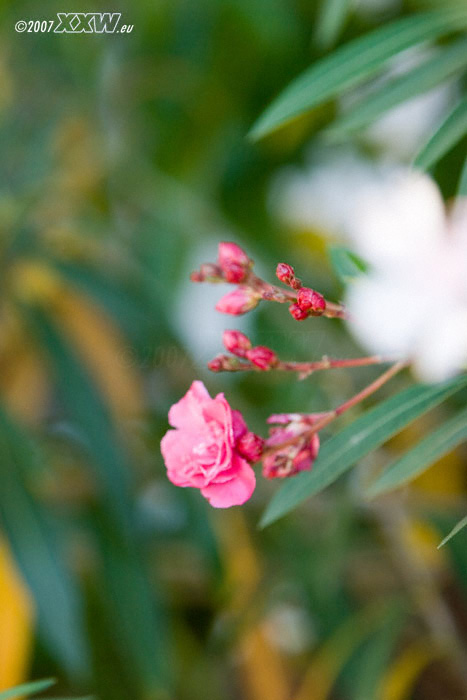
234	262
291	459
238	302
207	272
217	363
297	312
285	273
264	358
296	283
235	342
309	300
250	446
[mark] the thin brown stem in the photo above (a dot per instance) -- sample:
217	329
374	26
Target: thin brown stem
233	364
331	415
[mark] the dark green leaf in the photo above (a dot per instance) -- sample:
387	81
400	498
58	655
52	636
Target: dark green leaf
462	187
358	439
131	599
35	542
437	69
449	133
353	63
457	528
420	457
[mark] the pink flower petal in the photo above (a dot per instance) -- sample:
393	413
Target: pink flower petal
176	448
186	412
233	492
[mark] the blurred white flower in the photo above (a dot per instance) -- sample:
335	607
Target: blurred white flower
413	301
319	196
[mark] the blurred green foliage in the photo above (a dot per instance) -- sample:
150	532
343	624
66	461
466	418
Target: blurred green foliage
124	161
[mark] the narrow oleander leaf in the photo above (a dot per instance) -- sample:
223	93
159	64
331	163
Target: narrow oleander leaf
130	595
455	530
346	264
435	70
35	540
365	434
462	187
330	21
451	131
451	434
353	63
27	689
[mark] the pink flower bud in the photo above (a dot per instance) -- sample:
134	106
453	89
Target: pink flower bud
250	446
216	364
234	262
238	302
285	273
237	343
297	312
309	300
207	271
291	459
264	358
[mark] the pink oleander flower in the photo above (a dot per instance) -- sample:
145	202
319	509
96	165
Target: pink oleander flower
296	457
238	302
202	450
234	262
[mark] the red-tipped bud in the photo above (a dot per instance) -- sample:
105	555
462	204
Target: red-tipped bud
217	363
235	342
238	302
309	300
250	446
285	273
297	312
207	272
234	262
262	357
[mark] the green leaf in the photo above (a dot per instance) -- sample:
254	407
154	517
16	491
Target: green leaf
462	187
353	63
438	68
425	453
127	590
35	540
457	528
330	21
449	133
346	264
87	408
365	434
27	689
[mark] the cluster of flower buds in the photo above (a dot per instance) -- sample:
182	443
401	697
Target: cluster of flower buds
236	267
299	454
308	301
239	345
